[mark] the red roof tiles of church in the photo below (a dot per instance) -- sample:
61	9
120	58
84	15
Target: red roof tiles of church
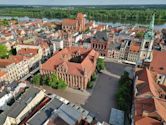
61	59
80	15
69	22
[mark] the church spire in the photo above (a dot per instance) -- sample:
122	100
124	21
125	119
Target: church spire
151	26
149	35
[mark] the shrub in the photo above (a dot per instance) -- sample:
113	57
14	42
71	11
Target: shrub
90	85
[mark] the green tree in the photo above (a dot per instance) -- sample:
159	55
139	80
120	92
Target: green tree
100	64
44	80
52	80
124	92
93	77
36	79
55	82
90	85
140	35
61	84
3	51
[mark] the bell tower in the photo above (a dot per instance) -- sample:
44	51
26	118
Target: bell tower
147	43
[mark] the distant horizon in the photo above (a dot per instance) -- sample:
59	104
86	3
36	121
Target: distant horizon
83	5
81	2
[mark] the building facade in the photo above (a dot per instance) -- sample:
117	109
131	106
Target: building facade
74	25
75	65
33	53
101	42
15	68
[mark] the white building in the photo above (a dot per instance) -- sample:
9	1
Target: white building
15	67
57	44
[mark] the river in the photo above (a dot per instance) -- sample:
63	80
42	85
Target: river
158	27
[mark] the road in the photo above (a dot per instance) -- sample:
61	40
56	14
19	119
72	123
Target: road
103	96
30	74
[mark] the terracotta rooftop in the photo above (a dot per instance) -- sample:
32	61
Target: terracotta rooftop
27	51
158	63
2	73
80	15
69	22
61	59
17	58
12	59
147	121
134	47
5	62
149	102
149	84
161	107
144	106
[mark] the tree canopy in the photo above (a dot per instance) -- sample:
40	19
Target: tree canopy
122	15
3	51
36	79
124	93
50	80
100	64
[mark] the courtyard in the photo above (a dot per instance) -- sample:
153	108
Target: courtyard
101	98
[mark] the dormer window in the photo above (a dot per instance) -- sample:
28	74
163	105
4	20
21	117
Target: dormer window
161	68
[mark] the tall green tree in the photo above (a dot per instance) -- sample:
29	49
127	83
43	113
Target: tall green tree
3	51
100	64
55	82
124	92
36	79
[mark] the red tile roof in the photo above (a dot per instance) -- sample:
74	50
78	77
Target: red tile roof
147	121
5	62
17	58
12	59
60	59
151	104
2	73
134	47
80	15
69	22
144	105
149	84
161	107
158	63
27	51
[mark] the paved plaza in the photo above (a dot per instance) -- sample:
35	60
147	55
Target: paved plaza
102	98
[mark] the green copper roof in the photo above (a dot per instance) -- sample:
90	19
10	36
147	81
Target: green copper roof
149	35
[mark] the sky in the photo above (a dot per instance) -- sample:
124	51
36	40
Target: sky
80	2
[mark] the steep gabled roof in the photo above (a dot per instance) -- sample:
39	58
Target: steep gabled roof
161	107
158	63
147	121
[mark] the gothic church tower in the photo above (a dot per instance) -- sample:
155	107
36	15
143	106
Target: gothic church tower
147	44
